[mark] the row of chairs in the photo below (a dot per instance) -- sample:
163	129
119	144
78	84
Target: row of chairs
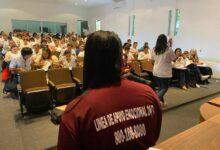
143	68
40	90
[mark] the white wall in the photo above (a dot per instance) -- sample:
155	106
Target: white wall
41	10
199	28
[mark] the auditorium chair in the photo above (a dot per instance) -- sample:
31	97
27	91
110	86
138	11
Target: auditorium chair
77	75
136	69
147	66
80	61
34	92
62	86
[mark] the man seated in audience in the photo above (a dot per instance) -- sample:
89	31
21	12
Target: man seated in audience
81	51
23	62
144	54
69	60
47	60
132	120
12	54
25	42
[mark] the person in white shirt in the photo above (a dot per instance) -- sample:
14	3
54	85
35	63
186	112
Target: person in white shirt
180	70
47	60
81	52
162	57
23	62
134	48
69	60
144	54
37	52
130	56
12	54
25	43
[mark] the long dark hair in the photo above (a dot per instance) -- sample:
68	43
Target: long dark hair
103	60
161	45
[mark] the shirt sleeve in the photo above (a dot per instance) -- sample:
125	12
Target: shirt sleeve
13	63
67	139
7	57
172	55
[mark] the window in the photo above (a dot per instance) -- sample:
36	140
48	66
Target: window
39	26
131	26
169	23
177	22
98	25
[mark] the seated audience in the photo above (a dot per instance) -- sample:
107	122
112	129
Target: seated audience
180	70
12	54
68	61
81	51
134	48
23	62
93	126
37	52
130	56
204	69
47	60
144	54
194	70
25	42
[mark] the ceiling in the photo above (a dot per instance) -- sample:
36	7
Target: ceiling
90	3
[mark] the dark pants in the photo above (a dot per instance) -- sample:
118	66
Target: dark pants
206	70
163	85
194	69
183	75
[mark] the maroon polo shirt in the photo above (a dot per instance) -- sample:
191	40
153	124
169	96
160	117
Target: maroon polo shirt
124	116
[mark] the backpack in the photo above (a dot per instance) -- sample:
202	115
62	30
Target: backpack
11	84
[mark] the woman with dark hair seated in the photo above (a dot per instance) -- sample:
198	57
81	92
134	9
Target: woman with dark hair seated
180	71
47	60
113	113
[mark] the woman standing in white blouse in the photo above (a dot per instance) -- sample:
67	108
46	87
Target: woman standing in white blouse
162	71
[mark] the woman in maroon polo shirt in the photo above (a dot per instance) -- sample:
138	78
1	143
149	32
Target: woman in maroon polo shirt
113	113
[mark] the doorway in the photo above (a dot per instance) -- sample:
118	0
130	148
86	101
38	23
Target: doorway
82	27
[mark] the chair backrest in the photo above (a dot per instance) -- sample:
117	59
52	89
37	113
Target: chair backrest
147	65
60	76
32	79
78	72
80	61
135	65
